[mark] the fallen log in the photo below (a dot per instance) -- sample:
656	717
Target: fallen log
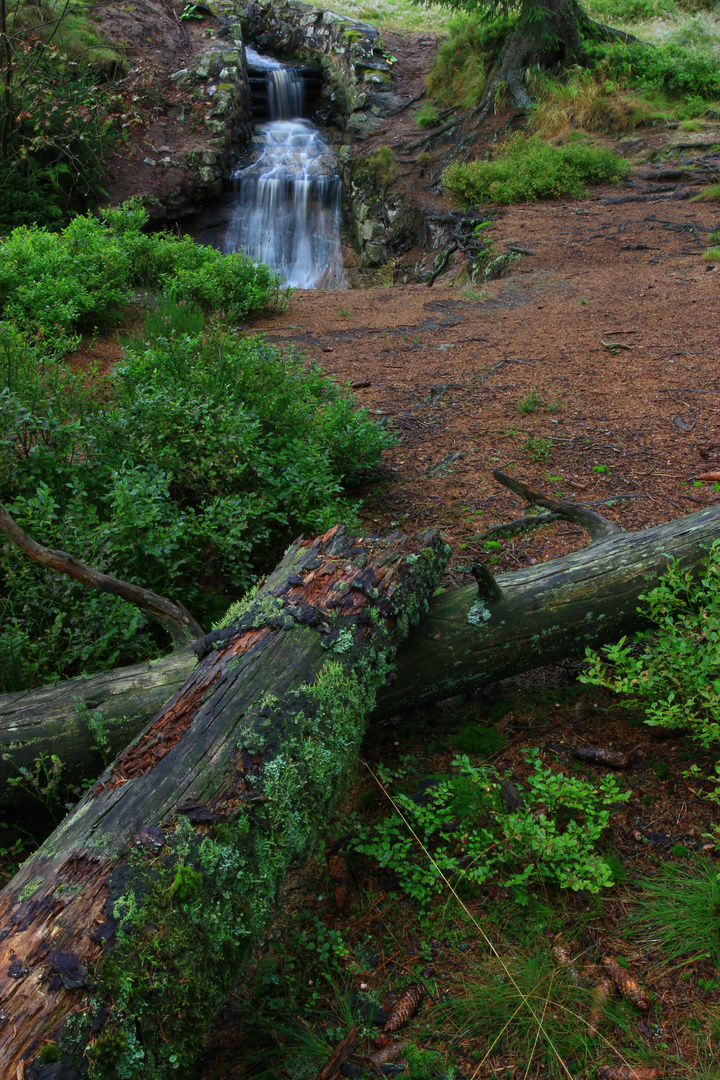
539	615
124	932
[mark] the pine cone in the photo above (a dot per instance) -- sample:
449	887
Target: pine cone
626	984
339	875
406	1006
600	996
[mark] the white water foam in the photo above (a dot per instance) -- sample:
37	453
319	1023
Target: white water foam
287	207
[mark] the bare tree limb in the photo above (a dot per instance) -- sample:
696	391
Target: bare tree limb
174	617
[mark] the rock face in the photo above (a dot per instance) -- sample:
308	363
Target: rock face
382	225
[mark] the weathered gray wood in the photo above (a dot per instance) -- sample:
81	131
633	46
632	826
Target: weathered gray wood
122	935
547	613
52	719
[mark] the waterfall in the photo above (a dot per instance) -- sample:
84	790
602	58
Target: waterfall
287	202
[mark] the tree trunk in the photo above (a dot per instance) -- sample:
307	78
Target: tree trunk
54	719
123	934
555	38
542	615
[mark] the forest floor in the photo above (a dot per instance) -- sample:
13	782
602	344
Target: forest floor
590	370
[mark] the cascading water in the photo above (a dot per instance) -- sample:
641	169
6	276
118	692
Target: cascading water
287	205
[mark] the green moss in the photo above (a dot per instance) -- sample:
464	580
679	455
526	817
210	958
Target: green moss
49	1053
186	885
29	889
483	741
661	770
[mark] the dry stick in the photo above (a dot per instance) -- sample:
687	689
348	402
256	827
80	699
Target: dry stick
174	617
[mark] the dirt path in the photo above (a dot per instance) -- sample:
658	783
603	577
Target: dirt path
448	368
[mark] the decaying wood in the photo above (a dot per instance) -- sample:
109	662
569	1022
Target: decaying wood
136	915
173	616
546	613
53	719
342	1053
596	755
539	615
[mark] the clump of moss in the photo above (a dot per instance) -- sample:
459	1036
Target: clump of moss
482	741
49	1053
186	884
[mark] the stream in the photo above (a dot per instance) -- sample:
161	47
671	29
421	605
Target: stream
287	202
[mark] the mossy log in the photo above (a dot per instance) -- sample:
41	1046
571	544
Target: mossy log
54	719
539	615
123	934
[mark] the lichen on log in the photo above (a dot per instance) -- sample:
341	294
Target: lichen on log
125	931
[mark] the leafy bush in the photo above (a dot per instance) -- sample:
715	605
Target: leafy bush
679	66
672	670
531	169
56	117
551	838
188	470
62	282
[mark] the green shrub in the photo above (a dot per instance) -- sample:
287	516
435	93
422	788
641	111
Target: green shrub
672	670
187	470
685	67
60	121
530	403
538	448
57	283
550	839
459	73
484	741
529	169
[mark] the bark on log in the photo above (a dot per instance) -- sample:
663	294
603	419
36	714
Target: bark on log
542	615
122	935
545	614
53	719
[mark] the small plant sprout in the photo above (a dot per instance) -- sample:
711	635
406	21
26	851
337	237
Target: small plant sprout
530	403
538	448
